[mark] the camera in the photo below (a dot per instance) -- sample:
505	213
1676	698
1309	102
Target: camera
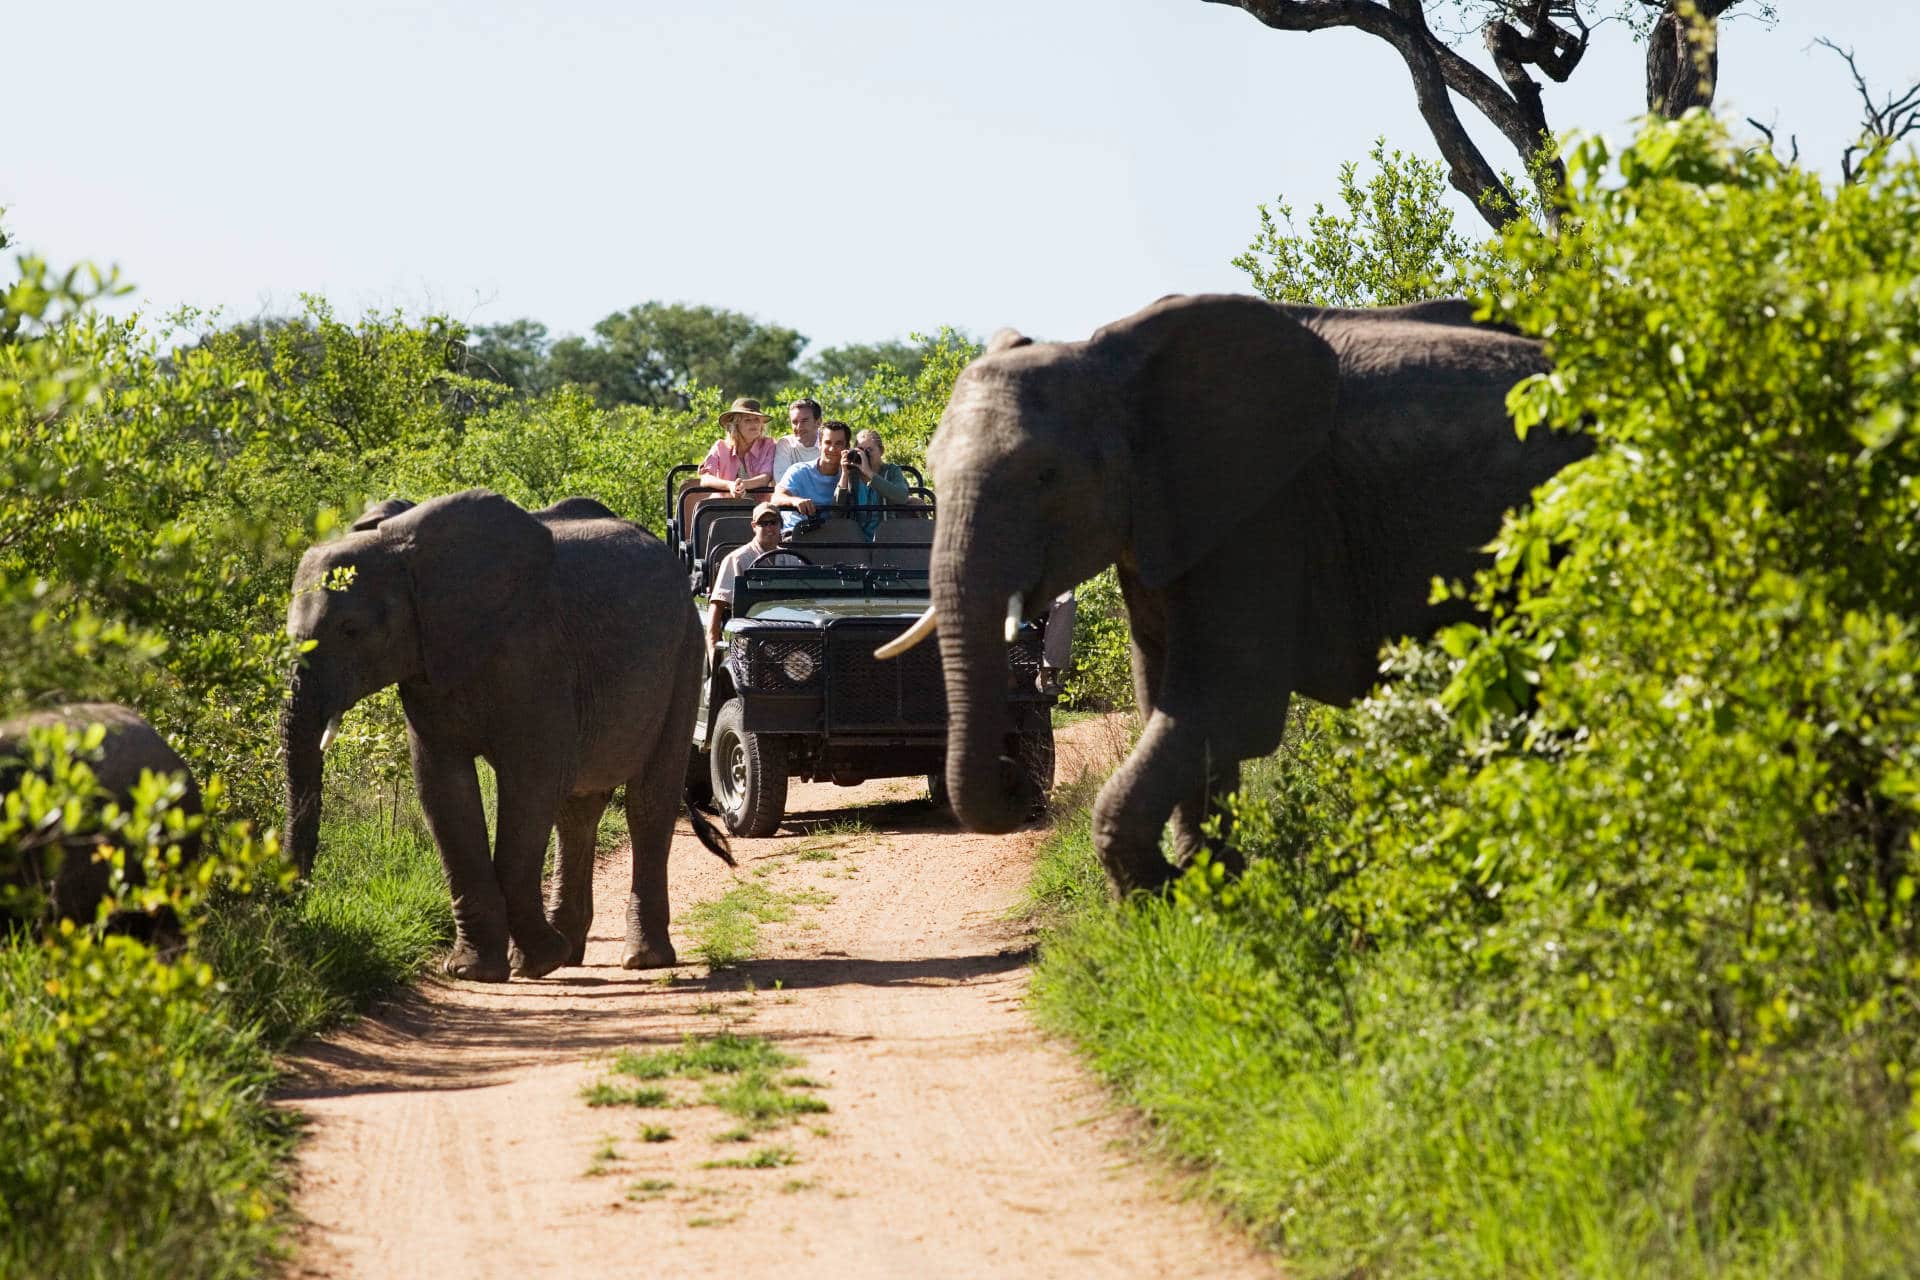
858	457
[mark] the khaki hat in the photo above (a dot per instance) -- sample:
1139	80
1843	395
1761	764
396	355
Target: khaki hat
744	405
763	509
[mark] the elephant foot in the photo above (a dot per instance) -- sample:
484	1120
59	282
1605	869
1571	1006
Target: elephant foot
1150	876
644	956
467	963
548	952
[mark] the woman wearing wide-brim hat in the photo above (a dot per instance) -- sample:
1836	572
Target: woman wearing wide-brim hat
741	460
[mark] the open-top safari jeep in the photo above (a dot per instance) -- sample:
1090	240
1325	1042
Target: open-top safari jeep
794	689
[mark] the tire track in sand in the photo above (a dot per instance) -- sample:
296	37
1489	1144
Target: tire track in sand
449	1137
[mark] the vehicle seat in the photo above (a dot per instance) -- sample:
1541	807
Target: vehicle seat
707	514
903	544
835	540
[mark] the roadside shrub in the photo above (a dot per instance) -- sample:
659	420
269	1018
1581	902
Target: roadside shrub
1587	944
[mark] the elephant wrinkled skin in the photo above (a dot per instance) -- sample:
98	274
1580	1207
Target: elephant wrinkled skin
1278	486
560	646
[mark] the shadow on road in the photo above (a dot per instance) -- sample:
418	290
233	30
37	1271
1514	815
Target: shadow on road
419	1043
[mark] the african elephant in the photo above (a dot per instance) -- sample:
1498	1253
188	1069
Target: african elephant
561	646
1278	486
130	746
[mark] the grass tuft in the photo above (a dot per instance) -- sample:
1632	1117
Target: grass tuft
775	1157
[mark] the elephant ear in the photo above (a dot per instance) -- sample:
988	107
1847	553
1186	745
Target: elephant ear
479	566
1220	385
374	515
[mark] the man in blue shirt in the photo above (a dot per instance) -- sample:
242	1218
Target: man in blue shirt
811	488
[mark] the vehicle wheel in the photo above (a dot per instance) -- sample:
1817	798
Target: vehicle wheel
749	772
1033	752
937	790
699	780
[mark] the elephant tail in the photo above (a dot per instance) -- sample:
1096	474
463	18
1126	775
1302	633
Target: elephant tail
709	834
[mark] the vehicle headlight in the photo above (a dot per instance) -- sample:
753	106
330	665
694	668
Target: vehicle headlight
798	666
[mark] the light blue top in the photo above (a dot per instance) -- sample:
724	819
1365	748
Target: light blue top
804	480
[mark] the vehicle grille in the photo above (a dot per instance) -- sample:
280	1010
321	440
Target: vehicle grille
866	692
1023	664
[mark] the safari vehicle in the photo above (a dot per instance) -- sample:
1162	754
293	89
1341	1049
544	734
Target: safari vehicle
794	689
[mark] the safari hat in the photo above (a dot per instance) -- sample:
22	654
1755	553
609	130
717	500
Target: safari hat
763	509
742	406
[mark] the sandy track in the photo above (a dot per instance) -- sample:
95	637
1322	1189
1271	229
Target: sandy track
449	1137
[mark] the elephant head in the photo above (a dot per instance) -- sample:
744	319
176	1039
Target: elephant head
410	594
1055	460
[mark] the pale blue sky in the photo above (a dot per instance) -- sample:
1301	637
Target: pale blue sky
854	170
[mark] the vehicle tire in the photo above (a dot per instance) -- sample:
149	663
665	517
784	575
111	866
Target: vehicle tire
749	775
699	780
1033	752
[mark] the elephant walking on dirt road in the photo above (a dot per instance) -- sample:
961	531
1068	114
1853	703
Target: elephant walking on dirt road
559	645
1278	486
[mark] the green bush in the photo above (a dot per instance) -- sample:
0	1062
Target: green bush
1587	944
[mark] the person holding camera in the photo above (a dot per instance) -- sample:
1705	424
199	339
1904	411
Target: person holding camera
888	482
809	488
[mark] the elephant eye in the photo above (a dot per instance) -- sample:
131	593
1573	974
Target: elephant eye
351	629
1047	477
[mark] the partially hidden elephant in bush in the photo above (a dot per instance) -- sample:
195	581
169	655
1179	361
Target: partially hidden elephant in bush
81	879
1278	486
559	645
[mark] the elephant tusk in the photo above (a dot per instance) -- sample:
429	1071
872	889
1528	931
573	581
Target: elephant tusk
1016	610
923	626
330	733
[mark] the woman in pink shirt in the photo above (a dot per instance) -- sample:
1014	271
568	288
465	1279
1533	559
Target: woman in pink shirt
742	459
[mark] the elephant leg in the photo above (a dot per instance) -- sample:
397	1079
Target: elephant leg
653	800
520	847
651	806
450	798
1167	766
570	890
1209	801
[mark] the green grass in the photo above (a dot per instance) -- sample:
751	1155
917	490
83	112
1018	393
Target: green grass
142	1144
1441	1138
609	1093
369	920
699	1056
655	1133
776	1157
726	930
649	1188
605	1156
816	855
760	1101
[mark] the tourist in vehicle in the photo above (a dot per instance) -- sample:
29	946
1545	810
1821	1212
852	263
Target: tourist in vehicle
766	542
809	489
742	459
803	445
869	457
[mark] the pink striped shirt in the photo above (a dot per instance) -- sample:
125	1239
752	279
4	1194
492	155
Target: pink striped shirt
721	462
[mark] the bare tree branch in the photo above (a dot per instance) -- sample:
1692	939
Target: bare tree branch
1766	131
1884	124
1549	37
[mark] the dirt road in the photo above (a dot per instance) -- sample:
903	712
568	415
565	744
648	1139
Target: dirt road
450	1136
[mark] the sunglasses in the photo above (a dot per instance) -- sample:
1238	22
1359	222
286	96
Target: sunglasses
770	520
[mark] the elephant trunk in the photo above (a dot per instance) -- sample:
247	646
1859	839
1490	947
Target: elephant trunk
971	604
303	722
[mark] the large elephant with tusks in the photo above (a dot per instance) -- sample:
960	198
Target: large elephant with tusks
560	646
1278	486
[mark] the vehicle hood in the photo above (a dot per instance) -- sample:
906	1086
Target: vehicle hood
819	613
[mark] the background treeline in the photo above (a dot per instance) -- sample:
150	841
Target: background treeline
157	485
651	354
1588	945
